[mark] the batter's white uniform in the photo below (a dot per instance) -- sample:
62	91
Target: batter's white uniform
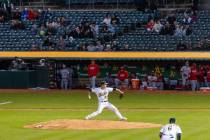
185	72
170	131
102	95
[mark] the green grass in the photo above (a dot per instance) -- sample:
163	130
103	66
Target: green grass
191	110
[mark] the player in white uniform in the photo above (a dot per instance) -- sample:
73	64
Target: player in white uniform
171	131
102	93
185	72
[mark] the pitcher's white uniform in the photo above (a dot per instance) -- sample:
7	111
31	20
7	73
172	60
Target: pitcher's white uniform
102	95
170	131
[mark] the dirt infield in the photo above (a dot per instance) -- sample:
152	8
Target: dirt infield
91	125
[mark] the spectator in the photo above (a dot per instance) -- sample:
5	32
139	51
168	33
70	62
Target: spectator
107	19
187	19
94	29
91	47
93	70
2	16
34	47
179	31
122	77
42	31
34	29
193	77
99	46
61	44
150	25
82	47
126	47
157	27
48	43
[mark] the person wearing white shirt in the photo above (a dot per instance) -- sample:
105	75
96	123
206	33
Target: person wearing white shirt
170	131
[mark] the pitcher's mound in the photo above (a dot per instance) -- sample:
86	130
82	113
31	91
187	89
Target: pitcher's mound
91	125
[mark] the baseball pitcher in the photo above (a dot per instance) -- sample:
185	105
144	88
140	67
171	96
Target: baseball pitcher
102	93
171	131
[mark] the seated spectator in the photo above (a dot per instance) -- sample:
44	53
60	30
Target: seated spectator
24	14
42	31
32	14
61	44
157	27
181	46
150	25
188	30
91	48
16	25
111	28
187	19
34	29
82	47
48	43
76	33
108	48
94	29
122	77
115	46
34	47
99	46
2	15
194	16
126	47
107	19
179	31
17	14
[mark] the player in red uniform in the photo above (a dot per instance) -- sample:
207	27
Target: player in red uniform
201	77
193	77
122	76
93	70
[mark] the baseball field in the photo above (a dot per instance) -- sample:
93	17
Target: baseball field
21	108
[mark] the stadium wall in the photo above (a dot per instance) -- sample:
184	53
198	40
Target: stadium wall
109	55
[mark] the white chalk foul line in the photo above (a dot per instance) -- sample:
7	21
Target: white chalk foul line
5	103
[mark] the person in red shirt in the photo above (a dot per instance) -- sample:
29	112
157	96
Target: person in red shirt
159	82
150	25
93	70
208	76
201	77
122	76
193	77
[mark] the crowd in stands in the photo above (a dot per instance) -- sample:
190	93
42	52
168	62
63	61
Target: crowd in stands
169	25
104	34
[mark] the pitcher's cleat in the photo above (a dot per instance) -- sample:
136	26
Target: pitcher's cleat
124	119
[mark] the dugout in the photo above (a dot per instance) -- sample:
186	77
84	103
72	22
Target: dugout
137	63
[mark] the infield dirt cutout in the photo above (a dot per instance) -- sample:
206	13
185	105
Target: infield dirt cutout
91	125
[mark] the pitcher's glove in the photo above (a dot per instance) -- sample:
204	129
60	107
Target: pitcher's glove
121	96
